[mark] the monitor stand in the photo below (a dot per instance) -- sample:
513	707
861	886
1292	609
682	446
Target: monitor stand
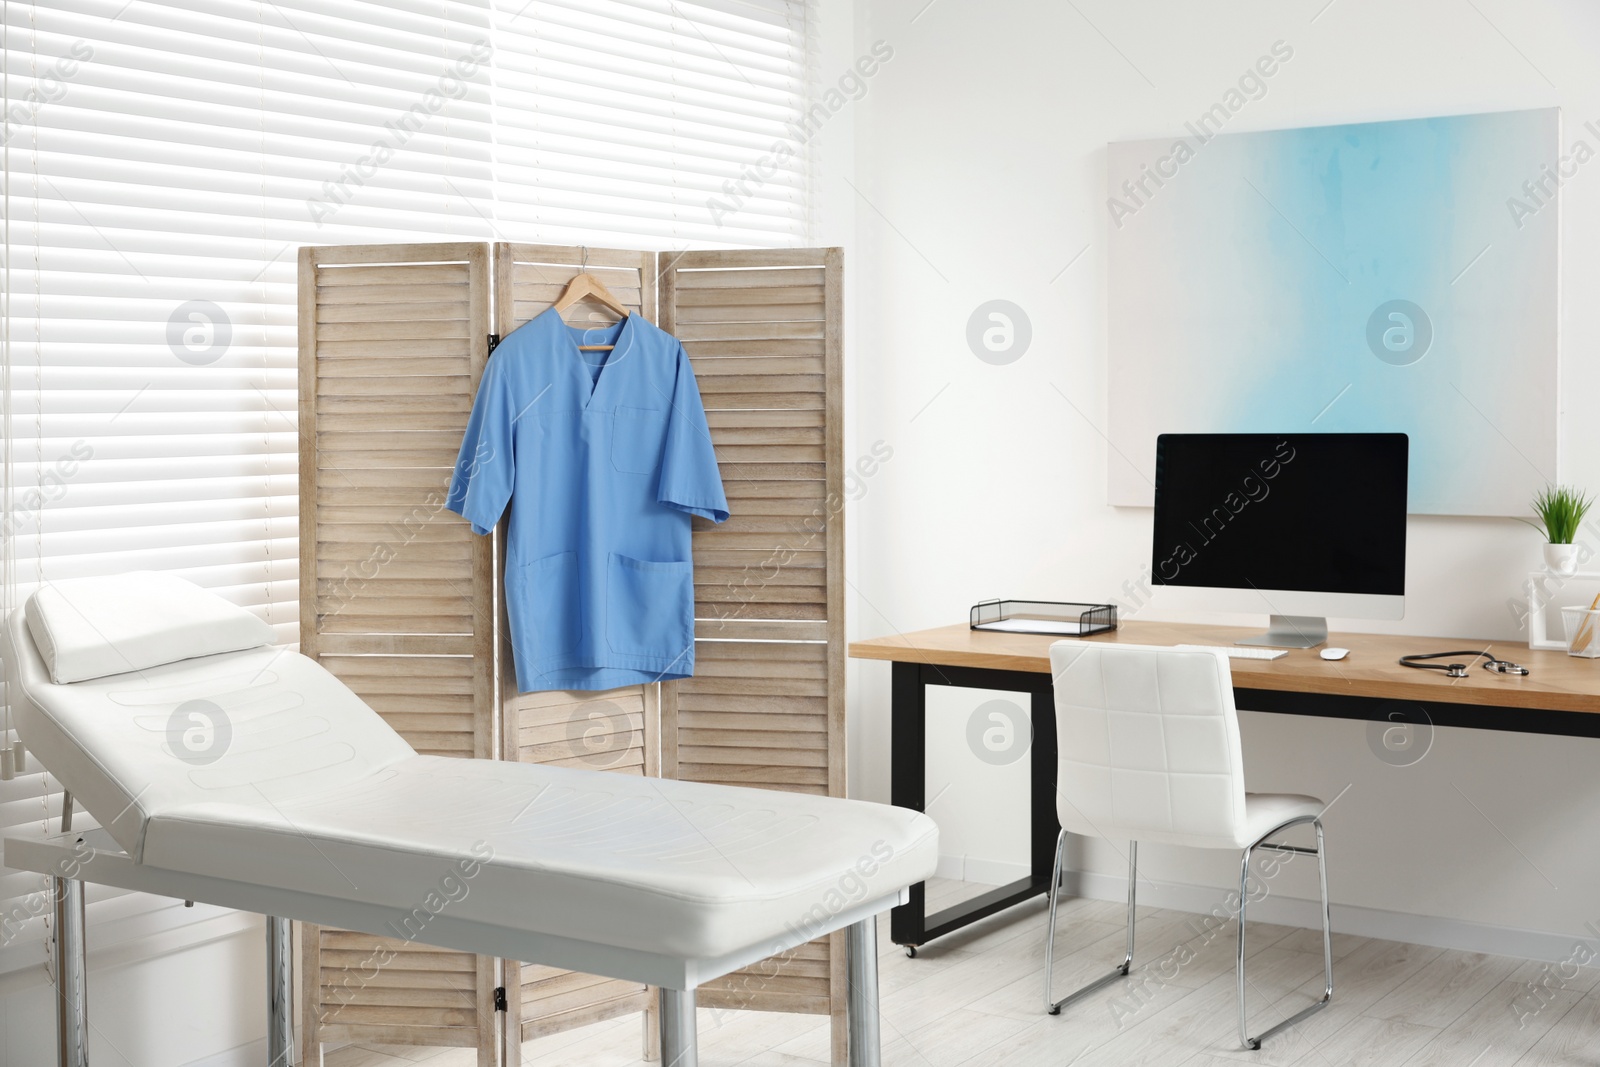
1291	631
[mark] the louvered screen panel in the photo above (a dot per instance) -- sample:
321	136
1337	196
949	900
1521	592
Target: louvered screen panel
418	996
617	730
756	714
612	730
397	593
766	704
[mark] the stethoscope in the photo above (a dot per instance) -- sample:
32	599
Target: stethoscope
1459	670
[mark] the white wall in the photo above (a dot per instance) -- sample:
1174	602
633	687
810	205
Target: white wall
195	997
980	169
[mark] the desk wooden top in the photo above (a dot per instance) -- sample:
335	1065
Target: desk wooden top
1557	682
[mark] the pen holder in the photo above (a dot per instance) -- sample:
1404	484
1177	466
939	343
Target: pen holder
1583	631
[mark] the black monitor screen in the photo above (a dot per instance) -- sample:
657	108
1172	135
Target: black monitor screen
1316	512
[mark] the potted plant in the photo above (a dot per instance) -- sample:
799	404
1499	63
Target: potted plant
1561	510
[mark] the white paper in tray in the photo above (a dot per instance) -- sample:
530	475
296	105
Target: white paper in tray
1066	627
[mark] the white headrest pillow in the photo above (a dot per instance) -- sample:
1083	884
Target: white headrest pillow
93	627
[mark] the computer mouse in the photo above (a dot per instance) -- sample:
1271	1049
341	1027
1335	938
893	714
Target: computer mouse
1335	653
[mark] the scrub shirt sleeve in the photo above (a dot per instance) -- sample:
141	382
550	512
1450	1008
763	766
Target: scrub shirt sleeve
690	480
485	470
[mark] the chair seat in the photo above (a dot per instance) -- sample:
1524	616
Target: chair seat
1263	811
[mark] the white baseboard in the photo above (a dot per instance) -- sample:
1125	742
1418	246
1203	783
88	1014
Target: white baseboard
1362	922
981	872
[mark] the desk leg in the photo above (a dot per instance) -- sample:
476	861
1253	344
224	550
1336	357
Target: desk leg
908	785
910	924
1045	829
68	951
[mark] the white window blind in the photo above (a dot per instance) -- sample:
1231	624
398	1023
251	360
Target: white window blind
666	123
163	161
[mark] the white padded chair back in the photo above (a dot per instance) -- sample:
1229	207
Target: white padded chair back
1149	745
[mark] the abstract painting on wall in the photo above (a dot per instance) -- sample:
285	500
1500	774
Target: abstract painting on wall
1384	276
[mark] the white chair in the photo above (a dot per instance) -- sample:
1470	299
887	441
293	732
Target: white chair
1149	751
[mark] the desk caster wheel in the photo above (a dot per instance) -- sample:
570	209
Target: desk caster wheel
911	952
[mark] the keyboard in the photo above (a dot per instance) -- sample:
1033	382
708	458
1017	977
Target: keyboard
1237	651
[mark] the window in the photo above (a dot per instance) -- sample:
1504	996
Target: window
163	162
668	124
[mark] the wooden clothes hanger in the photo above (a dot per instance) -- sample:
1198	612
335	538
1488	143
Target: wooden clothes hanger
586	286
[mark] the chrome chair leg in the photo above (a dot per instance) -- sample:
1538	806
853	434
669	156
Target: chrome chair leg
1050	930
1052	1005
1327	932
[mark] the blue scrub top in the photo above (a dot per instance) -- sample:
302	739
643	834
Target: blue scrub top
603	457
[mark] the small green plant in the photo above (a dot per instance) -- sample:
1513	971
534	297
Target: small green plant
1561	509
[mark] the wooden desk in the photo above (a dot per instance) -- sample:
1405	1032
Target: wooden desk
1561	695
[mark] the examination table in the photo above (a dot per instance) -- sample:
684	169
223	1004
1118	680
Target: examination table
316	810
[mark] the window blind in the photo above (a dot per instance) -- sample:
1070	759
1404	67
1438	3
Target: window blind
653	123
162	161
169	159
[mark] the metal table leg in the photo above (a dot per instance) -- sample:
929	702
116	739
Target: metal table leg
69	954
280	993
908	785
678	1044
861	976
910	924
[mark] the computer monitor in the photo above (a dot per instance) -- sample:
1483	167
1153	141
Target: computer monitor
1297	525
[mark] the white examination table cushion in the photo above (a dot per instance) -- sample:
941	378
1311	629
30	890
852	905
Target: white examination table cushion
315	793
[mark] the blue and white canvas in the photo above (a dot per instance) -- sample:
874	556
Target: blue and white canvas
1383	276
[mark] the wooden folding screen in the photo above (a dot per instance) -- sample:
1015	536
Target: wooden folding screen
399	597
396	593
766	704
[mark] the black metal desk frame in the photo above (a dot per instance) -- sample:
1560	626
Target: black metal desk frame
910	924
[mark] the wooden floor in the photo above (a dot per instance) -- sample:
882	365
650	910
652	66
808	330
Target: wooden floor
976	998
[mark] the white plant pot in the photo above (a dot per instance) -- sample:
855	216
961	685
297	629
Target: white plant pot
1561	560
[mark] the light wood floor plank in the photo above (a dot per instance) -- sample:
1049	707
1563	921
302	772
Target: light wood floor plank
1538	974
1367	974
1206	1019
1491	1033
1372	1042
1448	985
1570	1041
958	1037
976	998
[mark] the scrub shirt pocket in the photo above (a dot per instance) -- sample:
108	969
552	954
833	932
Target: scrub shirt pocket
636	437
542	598
650	608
